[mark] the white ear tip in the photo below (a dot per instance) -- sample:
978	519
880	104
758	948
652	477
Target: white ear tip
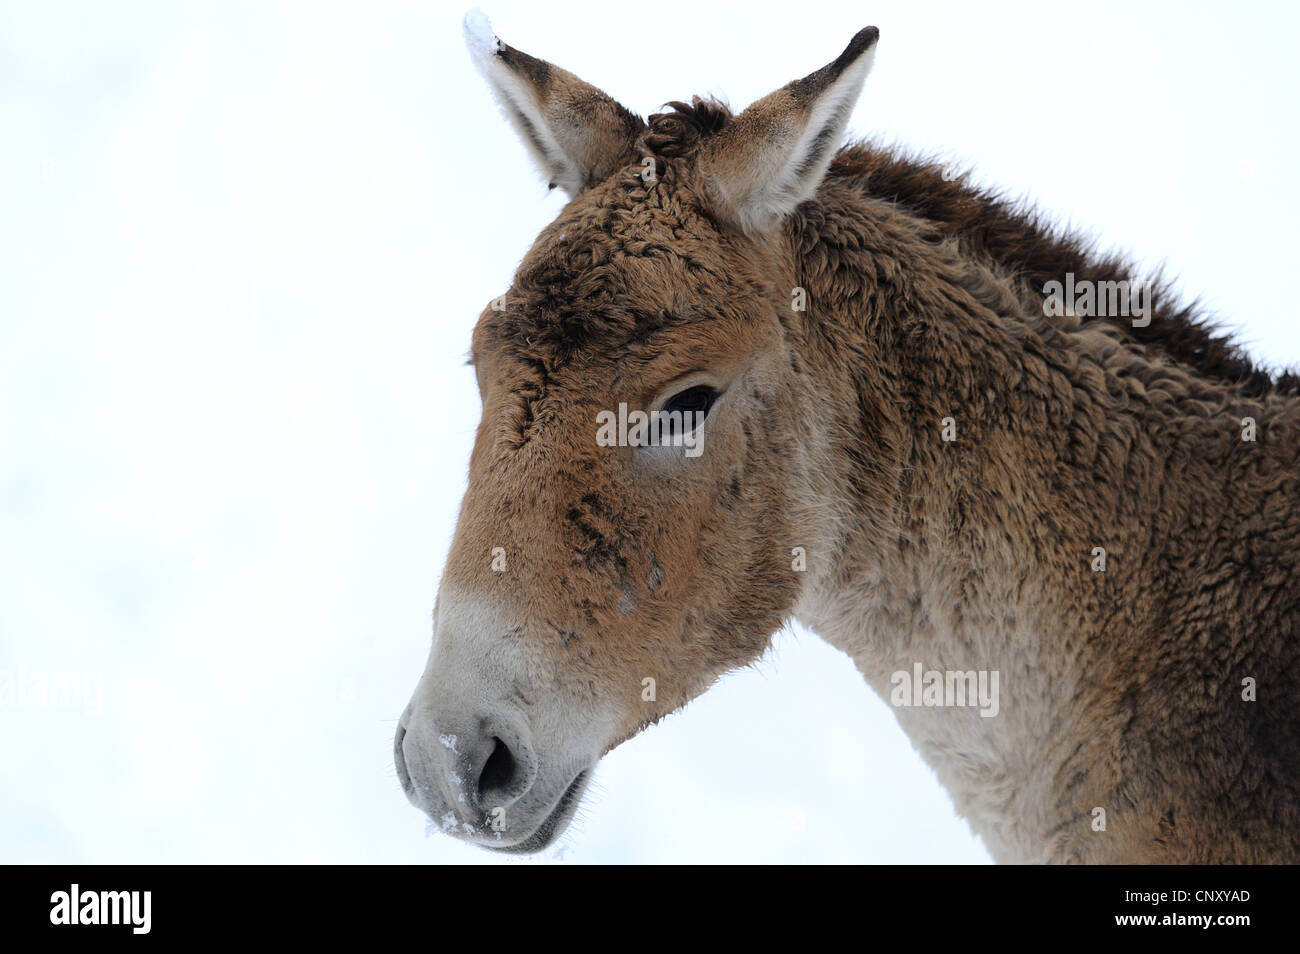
480	39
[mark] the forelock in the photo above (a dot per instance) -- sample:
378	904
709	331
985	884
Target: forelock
679	133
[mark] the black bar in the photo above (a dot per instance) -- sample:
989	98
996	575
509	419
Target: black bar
331	904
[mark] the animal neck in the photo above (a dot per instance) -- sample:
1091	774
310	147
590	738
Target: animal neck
983	502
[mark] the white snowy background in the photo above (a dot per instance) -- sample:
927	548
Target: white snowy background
242	246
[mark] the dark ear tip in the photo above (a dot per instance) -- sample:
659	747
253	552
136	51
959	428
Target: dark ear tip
814	83
862	41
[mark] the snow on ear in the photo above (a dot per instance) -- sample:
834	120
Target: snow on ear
773	155
576	134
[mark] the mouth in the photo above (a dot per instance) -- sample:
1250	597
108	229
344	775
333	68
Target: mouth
550	828
399	761
554	823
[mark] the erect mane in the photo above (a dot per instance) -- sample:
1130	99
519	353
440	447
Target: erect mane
1021	240
1010	234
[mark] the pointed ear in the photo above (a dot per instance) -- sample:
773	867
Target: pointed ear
773	155
577	135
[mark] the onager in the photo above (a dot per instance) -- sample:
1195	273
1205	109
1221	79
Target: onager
1059	534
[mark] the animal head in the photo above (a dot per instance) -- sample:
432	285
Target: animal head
629	530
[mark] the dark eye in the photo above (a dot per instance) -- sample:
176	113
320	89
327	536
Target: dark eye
692	401
688	409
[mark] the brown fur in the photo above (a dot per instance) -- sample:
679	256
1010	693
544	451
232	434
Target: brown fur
925	302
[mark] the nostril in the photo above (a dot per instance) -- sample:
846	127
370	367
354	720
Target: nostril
500	772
